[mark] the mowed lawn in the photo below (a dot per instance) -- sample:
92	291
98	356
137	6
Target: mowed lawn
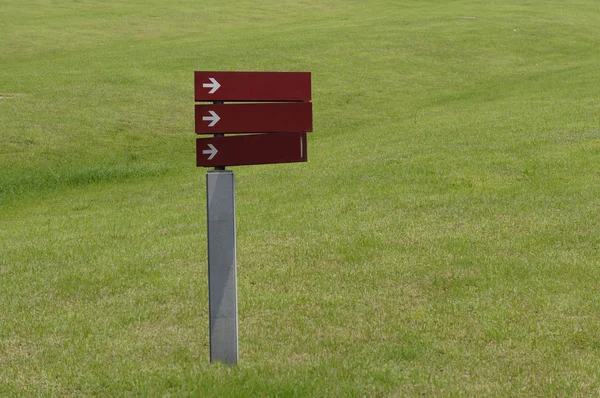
442	240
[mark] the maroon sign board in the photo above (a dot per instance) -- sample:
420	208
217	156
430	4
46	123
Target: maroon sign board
282	108
252	86
254	118
251	149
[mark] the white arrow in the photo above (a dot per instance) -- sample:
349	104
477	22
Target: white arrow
214	85
214	118
212	151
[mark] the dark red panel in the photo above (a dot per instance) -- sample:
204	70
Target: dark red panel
254	118
251	149
252	86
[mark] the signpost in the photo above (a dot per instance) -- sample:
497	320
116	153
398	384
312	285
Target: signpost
254	118
251	150
252	86
283	122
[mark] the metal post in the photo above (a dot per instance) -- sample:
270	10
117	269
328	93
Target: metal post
222	280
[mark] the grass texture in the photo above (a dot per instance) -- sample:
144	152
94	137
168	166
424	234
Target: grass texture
442	239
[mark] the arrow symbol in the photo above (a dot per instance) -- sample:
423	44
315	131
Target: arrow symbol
214	85
212	151
214	118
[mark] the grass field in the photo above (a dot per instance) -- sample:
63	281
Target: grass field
442	240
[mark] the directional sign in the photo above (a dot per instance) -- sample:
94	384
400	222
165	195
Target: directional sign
211	151
212	119
251	149
252	86
254	118
213	86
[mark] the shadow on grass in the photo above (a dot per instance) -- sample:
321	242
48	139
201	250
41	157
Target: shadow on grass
32	183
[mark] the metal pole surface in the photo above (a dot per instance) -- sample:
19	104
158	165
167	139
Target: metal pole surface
222	278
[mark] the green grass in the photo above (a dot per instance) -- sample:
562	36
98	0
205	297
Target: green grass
442	240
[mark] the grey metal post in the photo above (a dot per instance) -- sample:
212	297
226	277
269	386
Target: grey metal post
222	279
